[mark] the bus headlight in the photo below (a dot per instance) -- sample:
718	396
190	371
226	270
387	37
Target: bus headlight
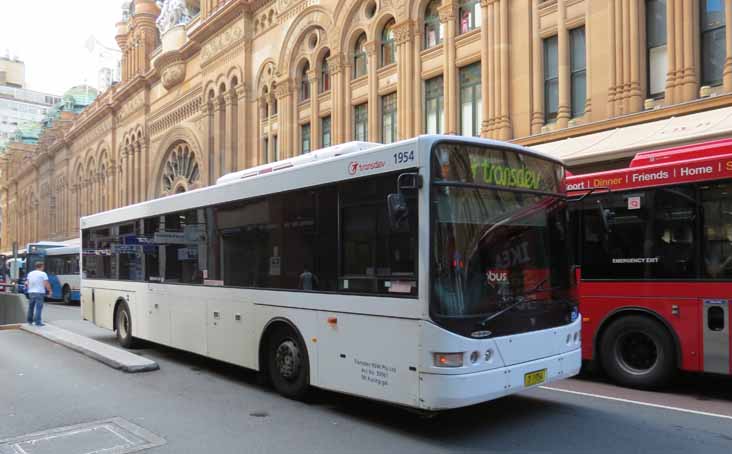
448	359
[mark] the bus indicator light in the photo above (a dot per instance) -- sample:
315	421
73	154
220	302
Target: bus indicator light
448	359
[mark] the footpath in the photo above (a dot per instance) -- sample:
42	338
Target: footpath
13	308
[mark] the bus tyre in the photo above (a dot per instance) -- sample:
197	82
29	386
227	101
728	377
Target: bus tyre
287	363
124	326
66	295
638	352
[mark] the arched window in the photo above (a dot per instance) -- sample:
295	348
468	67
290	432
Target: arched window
324	80
388	47
304	82
432	25
359	57
180	171
468	15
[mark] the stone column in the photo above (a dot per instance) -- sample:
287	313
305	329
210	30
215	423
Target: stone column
145	173
417	84
138	172
406	88
262	106
206	113
673	29
314	111
129	171
728	45
588	60
688	40
284	95
218	139
489	86
337	76
241	129
348	101
373	84
636	93
564	110
537	68
229	130
727	73
447	17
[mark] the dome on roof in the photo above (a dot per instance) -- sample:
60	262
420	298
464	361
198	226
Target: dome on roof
83	95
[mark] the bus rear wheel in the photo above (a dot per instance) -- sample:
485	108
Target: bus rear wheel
638	352
66	295
287	363
124	326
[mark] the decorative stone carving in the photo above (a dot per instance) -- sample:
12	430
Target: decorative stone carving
181	171
222	41
335	63
403	32
282	89
173	75
172	69
131	106
446	12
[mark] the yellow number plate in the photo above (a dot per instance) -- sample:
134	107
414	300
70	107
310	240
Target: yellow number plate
535	378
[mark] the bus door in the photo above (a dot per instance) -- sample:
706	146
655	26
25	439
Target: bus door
716	335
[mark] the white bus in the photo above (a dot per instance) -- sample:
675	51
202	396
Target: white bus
431	273
62	267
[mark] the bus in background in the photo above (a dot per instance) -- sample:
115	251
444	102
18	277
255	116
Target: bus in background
34	253
430	273
655	253
62	267
4	273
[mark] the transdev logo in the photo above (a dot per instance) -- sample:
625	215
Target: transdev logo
354	167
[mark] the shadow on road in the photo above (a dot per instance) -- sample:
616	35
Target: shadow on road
695	385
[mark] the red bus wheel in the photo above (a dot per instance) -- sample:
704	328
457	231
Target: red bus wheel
638	352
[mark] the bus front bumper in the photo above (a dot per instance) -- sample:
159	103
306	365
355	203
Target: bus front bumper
443	392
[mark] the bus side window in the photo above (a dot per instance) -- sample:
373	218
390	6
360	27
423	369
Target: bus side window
716	230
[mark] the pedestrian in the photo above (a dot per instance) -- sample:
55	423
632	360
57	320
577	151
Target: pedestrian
38	287
308	280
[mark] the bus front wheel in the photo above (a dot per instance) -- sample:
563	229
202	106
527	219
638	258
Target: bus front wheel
287	363
124	326
638	352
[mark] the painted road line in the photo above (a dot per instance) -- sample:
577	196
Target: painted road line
637	402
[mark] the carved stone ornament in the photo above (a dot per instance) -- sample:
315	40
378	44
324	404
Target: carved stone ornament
172	69
403	32
173	75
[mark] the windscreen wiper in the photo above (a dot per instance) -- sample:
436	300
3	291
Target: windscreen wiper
518	301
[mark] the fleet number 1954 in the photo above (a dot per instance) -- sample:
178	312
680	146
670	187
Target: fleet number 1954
403	156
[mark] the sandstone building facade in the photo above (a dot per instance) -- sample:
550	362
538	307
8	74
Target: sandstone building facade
213	86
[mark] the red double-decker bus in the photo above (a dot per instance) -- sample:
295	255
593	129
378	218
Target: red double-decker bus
654	246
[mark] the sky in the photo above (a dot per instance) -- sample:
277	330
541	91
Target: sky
50	37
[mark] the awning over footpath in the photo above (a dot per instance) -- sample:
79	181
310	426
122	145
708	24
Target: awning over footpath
625	142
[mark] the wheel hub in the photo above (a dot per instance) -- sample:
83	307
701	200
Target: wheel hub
288	359
636	352
124	324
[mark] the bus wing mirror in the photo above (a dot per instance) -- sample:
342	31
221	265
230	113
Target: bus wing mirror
606	216
396	204
409	181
